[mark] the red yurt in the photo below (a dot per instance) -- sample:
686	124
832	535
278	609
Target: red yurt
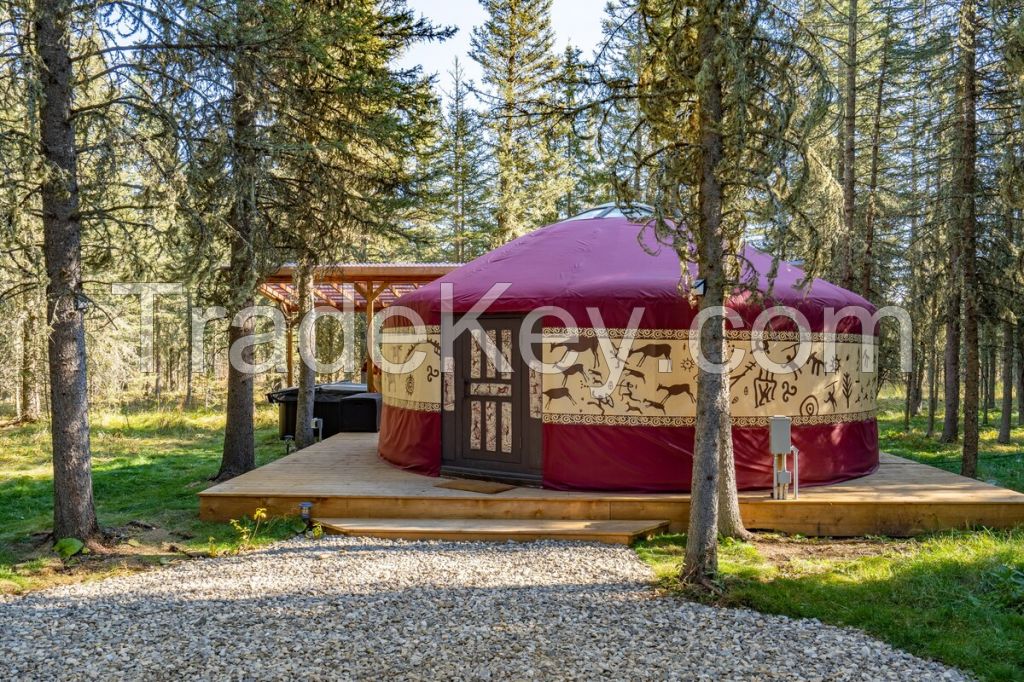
571	427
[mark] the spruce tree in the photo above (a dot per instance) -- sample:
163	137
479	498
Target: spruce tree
515	50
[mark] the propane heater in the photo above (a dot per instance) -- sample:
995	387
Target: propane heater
781	443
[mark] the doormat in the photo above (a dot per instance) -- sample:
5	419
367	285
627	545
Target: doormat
486	487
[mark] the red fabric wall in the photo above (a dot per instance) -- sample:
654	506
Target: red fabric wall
411	439
645	458
660	459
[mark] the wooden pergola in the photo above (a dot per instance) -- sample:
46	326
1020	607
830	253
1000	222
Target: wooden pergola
362	287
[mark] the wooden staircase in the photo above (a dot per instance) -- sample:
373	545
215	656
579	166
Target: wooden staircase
612	531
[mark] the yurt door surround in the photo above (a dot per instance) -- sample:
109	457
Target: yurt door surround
491	431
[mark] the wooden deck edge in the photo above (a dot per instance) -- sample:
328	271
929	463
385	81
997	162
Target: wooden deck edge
807	517
525	533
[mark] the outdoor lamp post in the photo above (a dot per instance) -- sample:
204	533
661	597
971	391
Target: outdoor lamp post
305	511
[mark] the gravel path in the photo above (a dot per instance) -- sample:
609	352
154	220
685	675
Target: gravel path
355	608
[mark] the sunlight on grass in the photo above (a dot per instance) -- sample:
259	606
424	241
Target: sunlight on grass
999	464
147	466
956	597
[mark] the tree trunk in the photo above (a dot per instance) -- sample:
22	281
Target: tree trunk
990	366
908	398
933	388
867	268
157	375
951	361
1020	374
915	405
188	402
239	453
712	422
985	376
968	229
29	406
74	513
730	523
849	143
1006	411
304	435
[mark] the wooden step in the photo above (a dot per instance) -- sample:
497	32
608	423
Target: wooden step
616	532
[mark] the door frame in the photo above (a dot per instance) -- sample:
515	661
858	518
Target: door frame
456	423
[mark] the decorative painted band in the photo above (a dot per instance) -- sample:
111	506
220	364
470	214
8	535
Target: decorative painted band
645	420
685	334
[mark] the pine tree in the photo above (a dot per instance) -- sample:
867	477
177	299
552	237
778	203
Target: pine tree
967	216
464	174
514	49
574	140
91	156
297	149
623	138
711	96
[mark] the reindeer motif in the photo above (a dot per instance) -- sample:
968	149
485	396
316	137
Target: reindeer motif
676	389
630	372
652	350
656	405
575	370
436	345
585	343
557	393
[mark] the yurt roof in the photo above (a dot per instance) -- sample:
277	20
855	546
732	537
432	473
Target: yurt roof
600	262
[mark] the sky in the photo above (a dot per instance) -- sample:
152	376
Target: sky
574	21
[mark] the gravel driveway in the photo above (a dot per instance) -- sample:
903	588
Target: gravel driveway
346	608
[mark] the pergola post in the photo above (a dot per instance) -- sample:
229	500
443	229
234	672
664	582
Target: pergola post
289	351
370	292
373	285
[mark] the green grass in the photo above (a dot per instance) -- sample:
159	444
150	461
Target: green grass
999	464
955	597
148	466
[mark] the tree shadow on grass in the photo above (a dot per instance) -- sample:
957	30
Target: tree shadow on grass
959	600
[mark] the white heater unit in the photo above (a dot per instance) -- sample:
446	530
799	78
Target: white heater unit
784	481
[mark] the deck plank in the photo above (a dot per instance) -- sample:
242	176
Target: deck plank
344	478
613	532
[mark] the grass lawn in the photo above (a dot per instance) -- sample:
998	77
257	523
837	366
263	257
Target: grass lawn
955	597
147	468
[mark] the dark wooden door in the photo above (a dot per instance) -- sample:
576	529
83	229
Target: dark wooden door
491	432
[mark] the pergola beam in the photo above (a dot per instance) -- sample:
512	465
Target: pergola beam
368	281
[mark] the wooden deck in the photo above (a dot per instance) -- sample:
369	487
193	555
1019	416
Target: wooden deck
345	480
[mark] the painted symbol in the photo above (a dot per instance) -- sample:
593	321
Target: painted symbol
586	343
652	350
556	394
746	370
788	391
847	388
831	397
602	403
574	370
809	407
655	404
677	389
817	364
764	389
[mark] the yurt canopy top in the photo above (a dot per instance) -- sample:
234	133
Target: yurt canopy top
616	265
